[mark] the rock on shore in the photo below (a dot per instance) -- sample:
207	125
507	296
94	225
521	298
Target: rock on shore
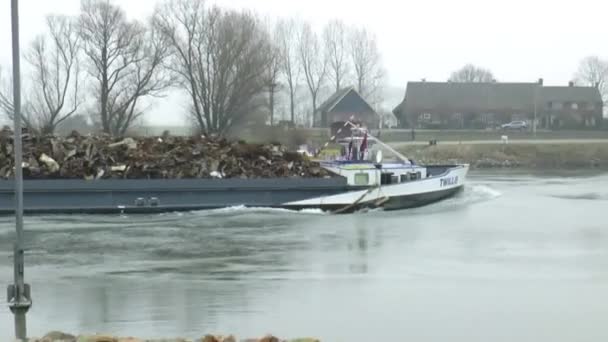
56	336
102	157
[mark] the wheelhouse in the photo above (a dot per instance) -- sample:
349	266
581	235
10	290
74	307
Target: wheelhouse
361	162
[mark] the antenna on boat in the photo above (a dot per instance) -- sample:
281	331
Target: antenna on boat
19	300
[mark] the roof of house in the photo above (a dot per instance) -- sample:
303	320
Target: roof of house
571	94
337	97
489	95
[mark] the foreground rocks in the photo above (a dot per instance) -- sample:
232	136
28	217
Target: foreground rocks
57	336
103	157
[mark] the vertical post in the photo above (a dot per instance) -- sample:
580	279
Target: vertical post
18	293
536	88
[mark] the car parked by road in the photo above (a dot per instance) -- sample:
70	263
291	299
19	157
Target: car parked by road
515	125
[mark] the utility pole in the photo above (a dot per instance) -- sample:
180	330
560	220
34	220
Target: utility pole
19	300
536	88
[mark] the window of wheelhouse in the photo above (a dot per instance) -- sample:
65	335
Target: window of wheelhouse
361	179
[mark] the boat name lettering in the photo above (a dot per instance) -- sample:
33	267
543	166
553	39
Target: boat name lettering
449	181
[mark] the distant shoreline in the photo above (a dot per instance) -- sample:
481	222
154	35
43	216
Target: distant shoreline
57	336
579	155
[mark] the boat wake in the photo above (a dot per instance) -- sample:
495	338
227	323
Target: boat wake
590	196
244	210
472	194
483	192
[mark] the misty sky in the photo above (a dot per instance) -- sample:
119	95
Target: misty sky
519	40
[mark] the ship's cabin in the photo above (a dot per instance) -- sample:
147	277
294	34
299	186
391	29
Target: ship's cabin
362	163
367	173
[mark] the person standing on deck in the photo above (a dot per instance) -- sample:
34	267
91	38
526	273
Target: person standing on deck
363	147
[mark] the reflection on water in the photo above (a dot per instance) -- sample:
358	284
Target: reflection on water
513	257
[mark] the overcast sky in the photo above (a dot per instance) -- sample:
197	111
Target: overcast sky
519	40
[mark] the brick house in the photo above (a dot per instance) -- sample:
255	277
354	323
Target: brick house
343	104
451	105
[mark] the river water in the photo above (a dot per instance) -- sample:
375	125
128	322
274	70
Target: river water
515	257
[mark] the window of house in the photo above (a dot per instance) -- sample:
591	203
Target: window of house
575	106
590	106
487	117
557	105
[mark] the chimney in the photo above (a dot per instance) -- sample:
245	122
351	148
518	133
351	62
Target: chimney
571	84
540	81
423	80
597	85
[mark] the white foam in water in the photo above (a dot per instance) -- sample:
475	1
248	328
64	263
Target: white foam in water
485	191
245	209
312	211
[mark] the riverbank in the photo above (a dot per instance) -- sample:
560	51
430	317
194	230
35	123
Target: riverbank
57	336
484	156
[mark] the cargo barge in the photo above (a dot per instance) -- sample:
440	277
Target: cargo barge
362	179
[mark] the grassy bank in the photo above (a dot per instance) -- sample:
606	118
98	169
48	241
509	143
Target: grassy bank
318	136
582	155
471	135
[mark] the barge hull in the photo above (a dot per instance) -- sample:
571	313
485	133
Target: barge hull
150	196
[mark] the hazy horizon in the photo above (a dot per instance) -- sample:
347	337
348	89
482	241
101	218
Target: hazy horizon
519	42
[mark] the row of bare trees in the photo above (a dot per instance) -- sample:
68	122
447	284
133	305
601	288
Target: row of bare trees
98	55
339	56
54	92
228	62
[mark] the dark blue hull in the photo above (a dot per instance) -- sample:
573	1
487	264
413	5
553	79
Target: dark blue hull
146	196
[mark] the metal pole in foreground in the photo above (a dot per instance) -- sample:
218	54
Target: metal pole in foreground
18	293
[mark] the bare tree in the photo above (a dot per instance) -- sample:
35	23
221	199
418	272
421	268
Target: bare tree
471	73
286	36
6	96
7	110
221	57
56	74
593	71
272	80
335	39
126	60
314	64
367	63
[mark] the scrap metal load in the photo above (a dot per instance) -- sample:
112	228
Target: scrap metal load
102	157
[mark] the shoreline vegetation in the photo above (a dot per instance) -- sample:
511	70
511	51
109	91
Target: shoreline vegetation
532	156
57	336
